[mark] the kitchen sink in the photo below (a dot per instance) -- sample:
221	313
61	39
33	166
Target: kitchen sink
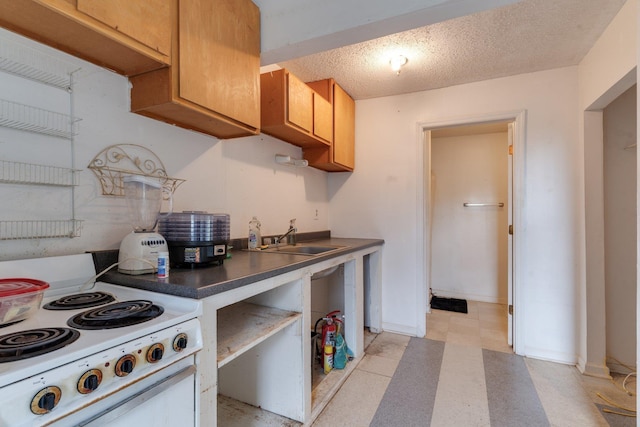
301	249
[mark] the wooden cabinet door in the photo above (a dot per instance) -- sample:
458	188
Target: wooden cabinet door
148	22
344	127
130	37
299	103
219	57
322	118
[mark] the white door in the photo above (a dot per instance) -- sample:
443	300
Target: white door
510	236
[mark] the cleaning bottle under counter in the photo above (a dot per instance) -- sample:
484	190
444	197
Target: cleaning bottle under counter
255	237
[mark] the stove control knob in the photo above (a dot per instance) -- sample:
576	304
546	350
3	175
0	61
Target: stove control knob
155	353
45	400
180	342
125	365
89	381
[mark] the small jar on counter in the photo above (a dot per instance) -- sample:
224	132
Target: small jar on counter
163	265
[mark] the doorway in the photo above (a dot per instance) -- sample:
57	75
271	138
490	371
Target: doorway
620	231
609	314
469	205
513	125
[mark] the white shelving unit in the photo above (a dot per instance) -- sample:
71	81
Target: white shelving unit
256	365
27	63
260	357
244	325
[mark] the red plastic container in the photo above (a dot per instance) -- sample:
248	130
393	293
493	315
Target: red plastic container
20	298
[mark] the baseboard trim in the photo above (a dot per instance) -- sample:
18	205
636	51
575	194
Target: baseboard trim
400	329
594	370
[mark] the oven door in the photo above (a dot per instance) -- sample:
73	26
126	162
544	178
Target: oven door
171	401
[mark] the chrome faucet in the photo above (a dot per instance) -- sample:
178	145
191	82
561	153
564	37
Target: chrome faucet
290	234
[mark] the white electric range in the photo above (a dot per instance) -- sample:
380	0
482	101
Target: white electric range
100	369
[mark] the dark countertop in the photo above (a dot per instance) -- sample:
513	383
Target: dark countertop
243	268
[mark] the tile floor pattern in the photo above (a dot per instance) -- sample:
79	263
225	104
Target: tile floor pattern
567	397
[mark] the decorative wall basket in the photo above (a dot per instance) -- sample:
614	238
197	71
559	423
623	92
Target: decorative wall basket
116	161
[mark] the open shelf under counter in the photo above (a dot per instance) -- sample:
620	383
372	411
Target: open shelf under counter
233	413
243	325
325	386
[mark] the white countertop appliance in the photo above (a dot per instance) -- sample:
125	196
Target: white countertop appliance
98	354
139	249
196	238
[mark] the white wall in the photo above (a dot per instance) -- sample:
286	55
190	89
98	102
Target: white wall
380	199
469	244
611	60
238	177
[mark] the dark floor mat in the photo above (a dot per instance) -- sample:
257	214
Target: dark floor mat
449	304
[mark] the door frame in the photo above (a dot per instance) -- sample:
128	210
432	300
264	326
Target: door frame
423	242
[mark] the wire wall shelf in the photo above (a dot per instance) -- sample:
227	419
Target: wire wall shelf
117	161
37	120
29	173
29	63
39	229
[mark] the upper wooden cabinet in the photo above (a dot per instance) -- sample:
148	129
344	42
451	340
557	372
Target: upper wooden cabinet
293	111
213	84
340	155
128	37
322	118
131	18
298	104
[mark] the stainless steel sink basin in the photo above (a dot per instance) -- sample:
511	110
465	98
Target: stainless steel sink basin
302	249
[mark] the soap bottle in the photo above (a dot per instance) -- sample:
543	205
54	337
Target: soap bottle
254	234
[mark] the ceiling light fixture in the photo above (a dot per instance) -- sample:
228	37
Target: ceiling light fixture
397	62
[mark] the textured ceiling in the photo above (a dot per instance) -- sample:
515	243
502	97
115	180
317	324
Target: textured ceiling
528	36
295	28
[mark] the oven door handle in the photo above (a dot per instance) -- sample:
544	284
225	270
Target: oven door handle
137	399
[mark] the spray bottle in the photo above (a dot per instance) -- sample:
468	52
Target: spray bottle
328	337
328	358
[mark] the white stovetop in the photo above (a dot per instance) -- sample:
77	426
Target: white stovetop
65	281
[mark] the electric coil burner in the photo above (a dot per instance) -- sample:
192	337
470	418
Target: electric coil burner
80	301
34	342
116	315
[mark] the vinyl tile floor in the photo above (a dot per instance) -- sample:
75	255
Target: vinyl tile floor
567	397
